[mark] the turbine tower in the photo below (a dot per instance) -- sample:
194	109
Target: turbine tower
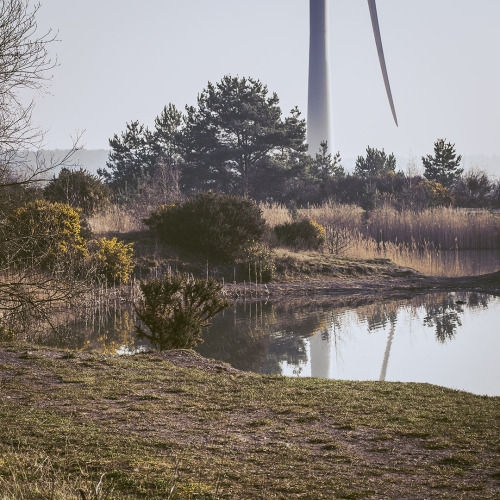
319	120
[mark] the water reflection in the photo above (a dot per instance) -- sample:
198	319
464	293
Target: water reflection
380	341
447	339
110	330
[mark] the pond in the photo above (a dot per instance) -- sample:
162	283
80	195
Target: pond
448	339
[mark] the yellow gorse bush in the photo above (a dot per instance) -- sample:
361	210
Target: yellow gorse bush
114	259
46	232
303	233
318	229
436	193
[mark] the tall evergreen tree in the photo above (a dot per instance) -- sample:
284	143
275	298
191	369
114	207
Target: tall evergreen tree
444	166
376	162
165	138
235	134
131	158
137	156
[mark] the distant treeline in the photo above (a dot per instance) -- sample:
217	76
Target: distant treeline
237	141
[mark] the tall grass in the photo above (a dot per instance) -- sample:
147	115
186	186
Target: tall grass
446	228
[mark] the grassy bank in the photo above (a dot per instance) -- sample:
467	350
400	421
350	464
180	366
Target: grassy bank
180	426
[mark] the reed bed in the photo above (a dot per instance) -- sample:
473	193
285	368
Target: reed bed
328	214
336	214
427	259
431	241
275	214
446	228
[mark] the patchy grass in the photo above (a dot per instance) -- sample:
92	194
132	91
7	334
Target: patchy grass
179	426
290	264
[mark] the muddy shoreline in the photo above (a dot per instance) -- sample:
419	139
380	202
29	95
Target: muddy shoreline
394	283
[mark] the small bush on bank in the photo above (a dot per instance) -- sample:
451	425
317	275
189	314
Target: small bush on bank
175	308
304	234
257	264
78	188
217	225
112	260
43	233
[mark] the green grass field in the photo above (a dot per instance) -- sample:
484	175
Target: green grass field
179	426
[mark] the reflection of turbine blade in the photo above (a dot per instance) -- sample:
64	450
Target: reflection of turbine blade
381	58
387	353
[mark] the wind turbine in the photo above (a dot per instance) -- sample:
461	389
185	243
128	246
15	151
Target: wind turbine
319	121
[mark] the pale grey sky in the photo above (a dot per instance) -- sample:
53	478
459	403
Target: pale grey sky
122	60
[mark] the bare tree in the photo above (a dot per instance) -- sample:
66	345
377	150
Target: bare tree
24	64
27	292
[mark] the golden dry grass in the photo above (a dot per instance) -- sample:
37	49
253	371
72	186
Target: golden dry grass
115	219
428	241
448	228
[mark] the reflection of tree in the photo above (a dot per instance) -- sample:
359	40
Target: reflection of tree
478	300
445	313
259	336
109	329
444	316
379	315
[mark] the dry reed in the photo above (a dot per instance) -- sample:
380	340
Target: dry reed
413	239
430	241
447	228
115	219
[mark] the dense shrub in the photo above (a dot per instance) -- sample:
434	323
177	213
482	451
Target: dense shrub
474	189
43	233
175	308
14	197
304	233
79	189
112	260
434	194
217	225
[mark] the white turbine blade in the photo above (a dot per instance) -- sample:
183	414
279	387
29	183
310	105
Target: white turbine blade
381	58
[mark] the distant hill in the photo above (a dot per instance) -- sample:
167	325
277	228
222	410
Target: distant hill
89	159
92	159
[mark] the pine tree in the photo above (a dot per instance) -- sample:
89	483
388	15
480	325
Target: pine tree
377	162
325	166
236	133
165	139
131	158
443	167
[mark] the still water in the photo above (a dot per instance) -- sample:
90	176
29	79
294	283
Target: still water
448	339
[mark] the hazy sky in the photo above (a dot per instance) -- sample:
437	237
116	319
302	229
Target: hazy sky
122	60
